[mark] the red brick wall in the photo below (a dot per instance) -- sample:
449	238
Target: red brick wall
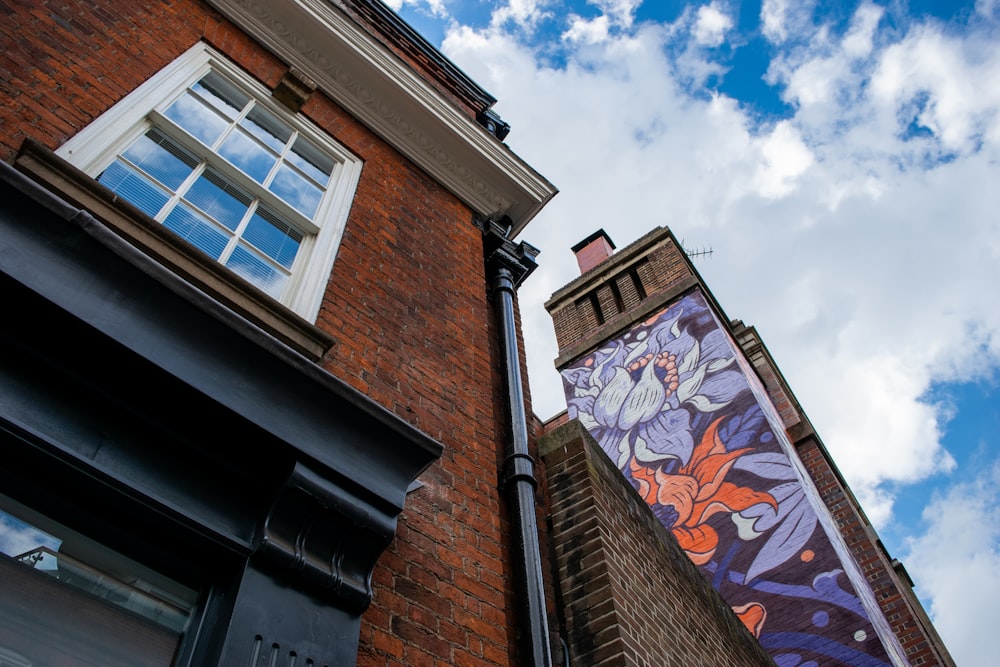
661	266
406	304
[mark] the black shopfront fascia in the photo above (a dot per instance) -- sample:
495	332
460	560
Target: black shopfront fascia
141	412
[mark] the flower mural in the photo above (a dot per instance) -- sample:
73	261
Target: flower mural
697	491
634	394
670	403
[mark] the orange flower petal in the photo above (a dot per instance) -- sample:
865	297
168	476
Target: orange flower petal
678	491
753	616
699	542
714	468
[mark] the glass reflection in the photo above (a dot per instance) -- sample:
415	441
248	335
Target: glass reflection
293	187
269	130
219	199
200	121
273	237
312	161
222	95
161	158
196	230
126	182
155	174
246	263
251	157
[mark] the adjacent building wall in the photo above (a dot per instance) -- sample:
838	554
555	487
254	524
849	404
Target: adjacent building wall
629	594
694	425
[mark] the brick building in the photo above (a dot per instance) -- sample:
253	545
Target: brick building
692	411
258	271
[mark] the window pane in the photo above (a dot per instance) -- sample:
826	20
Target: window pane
221	94
65	596
274	238
255	160
133	187
197	118
248	264
271	131
162	159
316	164
295	189
219	199
196	230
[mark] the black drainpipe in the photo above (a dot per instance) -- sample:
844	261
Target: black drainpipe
507	264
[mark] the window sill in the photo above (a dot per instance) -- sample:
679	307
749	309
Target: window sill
170	251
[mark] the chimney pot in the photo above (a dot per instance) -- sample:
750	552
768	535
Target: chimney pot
593	250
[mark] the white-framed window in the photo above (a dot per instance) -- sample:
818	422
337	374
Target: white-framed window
203	148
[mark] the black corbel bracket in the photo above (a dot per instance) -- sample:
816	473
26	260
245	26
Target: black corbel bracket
324	539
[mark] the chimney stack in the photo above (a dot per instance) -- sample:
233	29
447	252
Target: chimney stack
593	250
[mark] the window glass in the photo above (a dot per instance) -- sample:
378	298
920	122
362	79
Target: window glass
200	120
197	230
202	204
273	237
67	599
226	98
213	148
311	160
294	188
127	182
267	129
252	266
161	158
252	157
223	201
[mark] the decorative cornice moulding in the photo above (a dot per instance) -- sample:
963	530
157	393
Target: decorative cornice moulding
387	95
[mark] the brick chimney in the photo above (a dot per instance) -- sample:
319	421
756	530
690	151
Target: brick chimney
593	250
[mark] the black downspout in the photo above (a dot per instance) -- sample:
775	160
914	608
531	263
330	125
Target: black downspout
507	265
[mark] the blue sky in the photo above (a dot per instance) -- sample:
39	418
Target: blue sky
842	160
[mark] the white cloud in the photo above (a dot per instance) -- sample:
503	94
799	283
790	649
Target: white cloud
772	18
525	13
957	562
711	25
435	7
619	12
785	158
859	40
943	85
782	19
583	31
987	8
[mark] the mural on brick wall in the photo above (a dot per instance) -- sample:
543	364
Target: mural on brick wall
671	406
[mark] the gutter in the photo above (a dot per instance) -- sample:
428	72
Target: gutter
508	264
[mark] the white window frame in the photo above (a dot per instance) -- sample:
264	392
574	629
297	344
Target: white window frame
96	146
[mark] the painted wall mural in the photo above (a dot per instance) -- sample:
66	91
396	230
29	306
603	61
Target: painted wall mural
670	404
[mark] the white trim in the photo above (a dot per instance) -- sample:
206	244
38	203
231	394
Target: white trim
97	145
387	95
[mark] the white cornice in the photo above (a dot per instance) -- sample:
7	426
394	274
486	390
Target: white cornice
389	97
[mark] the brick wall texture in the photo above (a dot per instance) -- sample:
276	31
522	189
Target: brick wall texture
406	304
654	263
630	595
